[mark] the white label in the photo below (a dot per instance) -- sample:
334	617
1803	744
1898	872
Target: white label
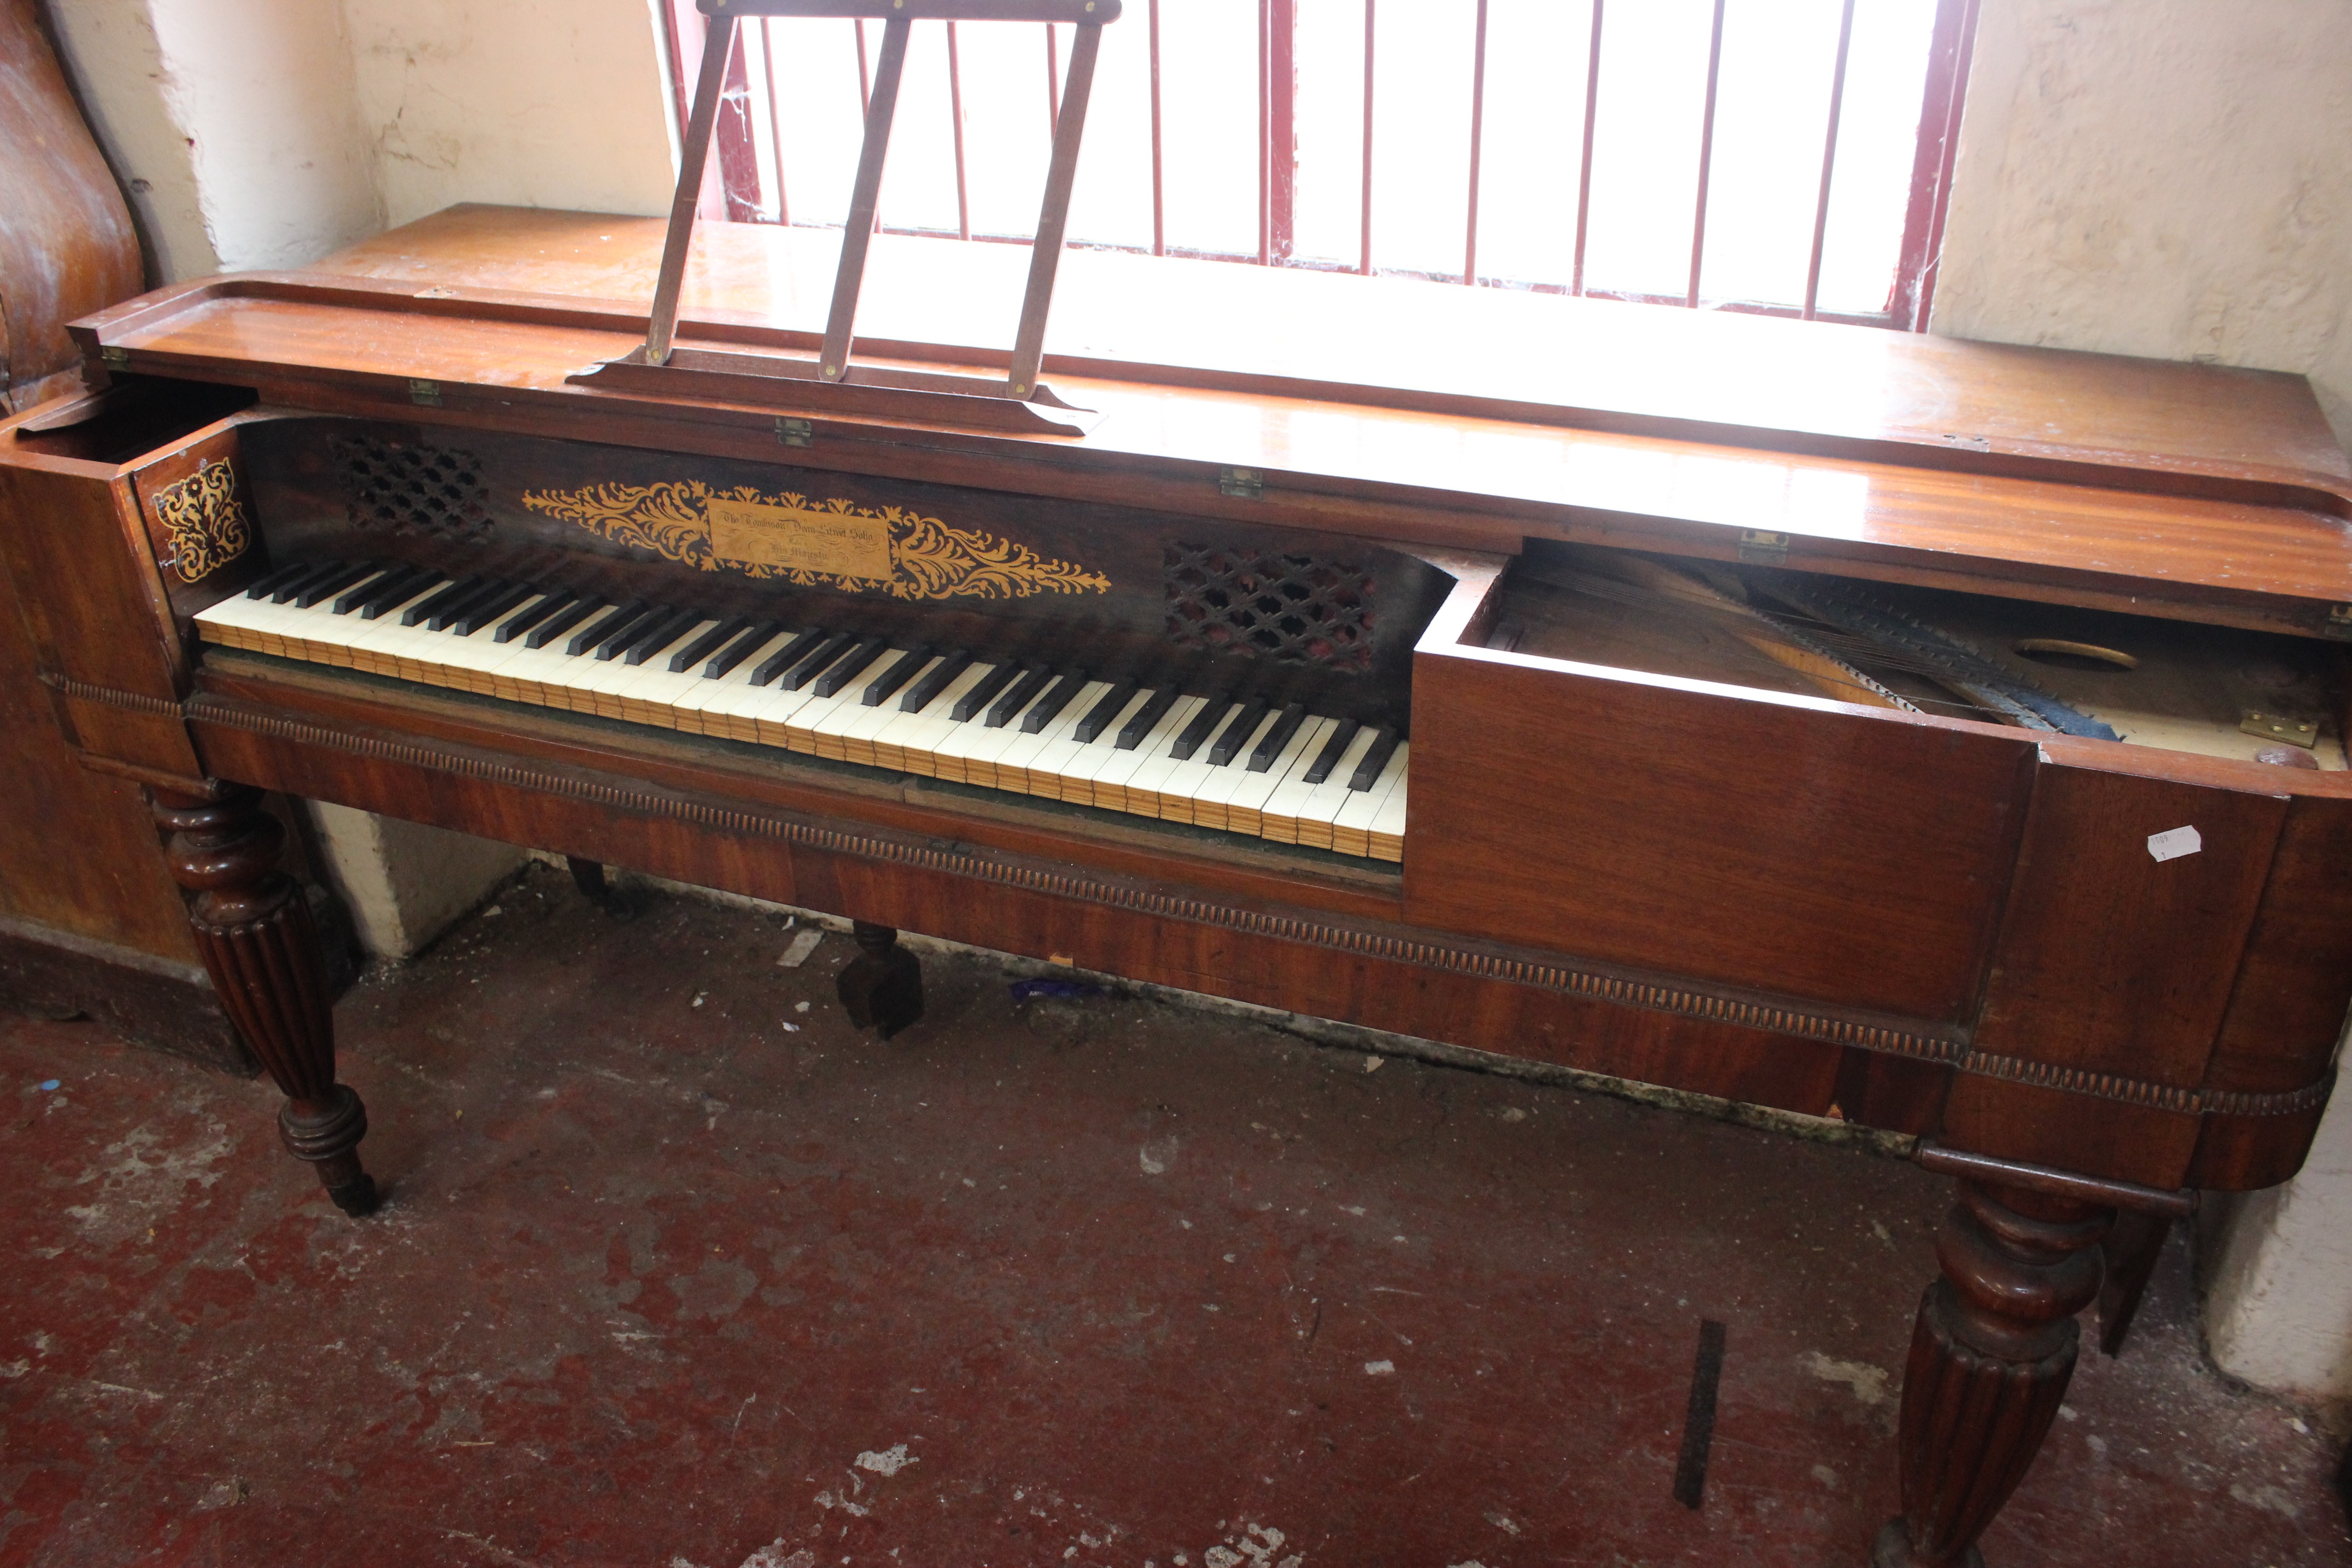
2173	842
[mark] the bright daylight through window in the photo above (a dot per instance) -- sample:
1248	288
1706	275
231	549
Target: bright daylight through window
1783	155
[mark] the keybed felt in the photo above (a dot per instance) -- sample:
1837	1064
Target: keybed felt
1234	759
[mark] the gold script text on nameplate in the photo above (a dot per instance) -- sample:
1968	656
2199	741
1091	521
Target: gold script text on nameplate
834	543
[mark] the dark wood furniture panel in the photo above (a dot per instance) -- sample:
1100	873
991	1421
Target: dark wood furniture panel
1931	924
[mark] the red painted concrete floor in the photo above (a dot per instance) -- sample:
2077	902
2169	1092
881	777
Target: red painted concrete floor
675	1274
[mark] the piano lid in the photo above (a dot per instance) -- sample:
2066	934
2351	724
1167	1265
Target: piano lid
1476	418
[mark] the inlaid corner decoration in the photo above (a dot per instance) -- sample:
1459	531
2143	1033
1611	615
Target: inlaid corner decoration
204	520
828	543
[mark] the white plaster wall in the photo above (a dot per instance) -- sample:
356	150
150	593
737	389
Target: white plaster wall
2161	177
402	882
116	61
238	115
551	104
2277	1268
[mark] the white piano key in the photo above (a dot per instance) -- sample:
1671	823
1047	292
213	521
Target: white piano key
722	707
1075	782
951	753
911	741
1351	826
829	729
653	698
1386	841
1249	797
858	737
1179	787
1138	788
1210	802
982	752
1047	768
1278	818
1314	814
1022	766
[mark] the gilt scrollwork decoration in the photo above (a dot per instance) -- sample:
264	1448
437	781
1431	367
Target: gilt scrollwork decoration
204	520
929	559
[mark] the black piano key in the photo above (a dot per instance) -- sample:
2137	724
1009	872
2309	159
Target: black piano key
797	652
742	649
602	627
279	578
556	599
664	630
850	666
920	695
319	571
1196	735
1146	718
1375	757
1284	727
878	690
1100	717
1048	708
430	605
619	639
816	661
977	699
489	610
703	647
564	619
1023	692
353	572
391	599
1235	735
482	592
1333	750
367	596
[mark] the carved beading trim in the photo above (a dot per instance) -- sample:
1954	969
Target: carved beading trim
204	520
84	691
1615	989
929	559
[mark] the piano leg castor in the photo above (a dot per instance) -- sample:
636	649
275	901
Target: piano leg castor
882	987
588	875
253	926
1990	1357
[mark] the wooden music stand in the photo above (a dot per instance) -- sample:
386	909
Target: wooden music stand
831	381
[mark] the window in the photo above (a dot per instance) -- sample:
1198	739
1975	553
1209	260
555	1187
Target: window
1788	157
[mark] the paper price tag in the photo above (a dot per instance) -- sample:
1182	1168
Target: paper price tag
2173	842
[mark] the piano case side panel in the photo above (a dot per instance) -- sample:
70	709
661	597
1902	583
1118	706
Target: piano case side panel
1311	962
2287	1011
1806	851
2113	963
96	608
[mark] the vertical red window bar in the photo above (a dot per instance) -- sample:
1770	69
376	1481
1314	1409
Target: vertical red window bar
1954	39
1705	155
955	117
1478	136
775	118
1364	264
1829	163
1159	171
1584	167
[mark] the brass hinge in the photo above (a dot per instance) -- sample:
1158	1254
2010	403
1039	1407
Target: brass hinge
426	392
795	433
113	354
1762	547
2304	733
2339	622
1242	484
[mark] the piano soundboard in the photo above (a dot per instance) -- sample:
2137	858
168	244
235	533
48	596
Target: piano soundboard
1230	759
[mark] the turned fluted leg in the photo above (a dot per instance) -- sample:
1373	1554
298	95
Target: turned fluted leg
882	987
253	926
1990	1357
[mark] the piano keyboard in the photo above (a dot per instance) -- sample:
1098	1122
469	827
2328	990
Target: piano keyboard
1223	762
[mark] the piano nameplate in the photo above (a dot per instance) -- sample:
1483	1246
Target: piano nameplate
800	538
828	543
